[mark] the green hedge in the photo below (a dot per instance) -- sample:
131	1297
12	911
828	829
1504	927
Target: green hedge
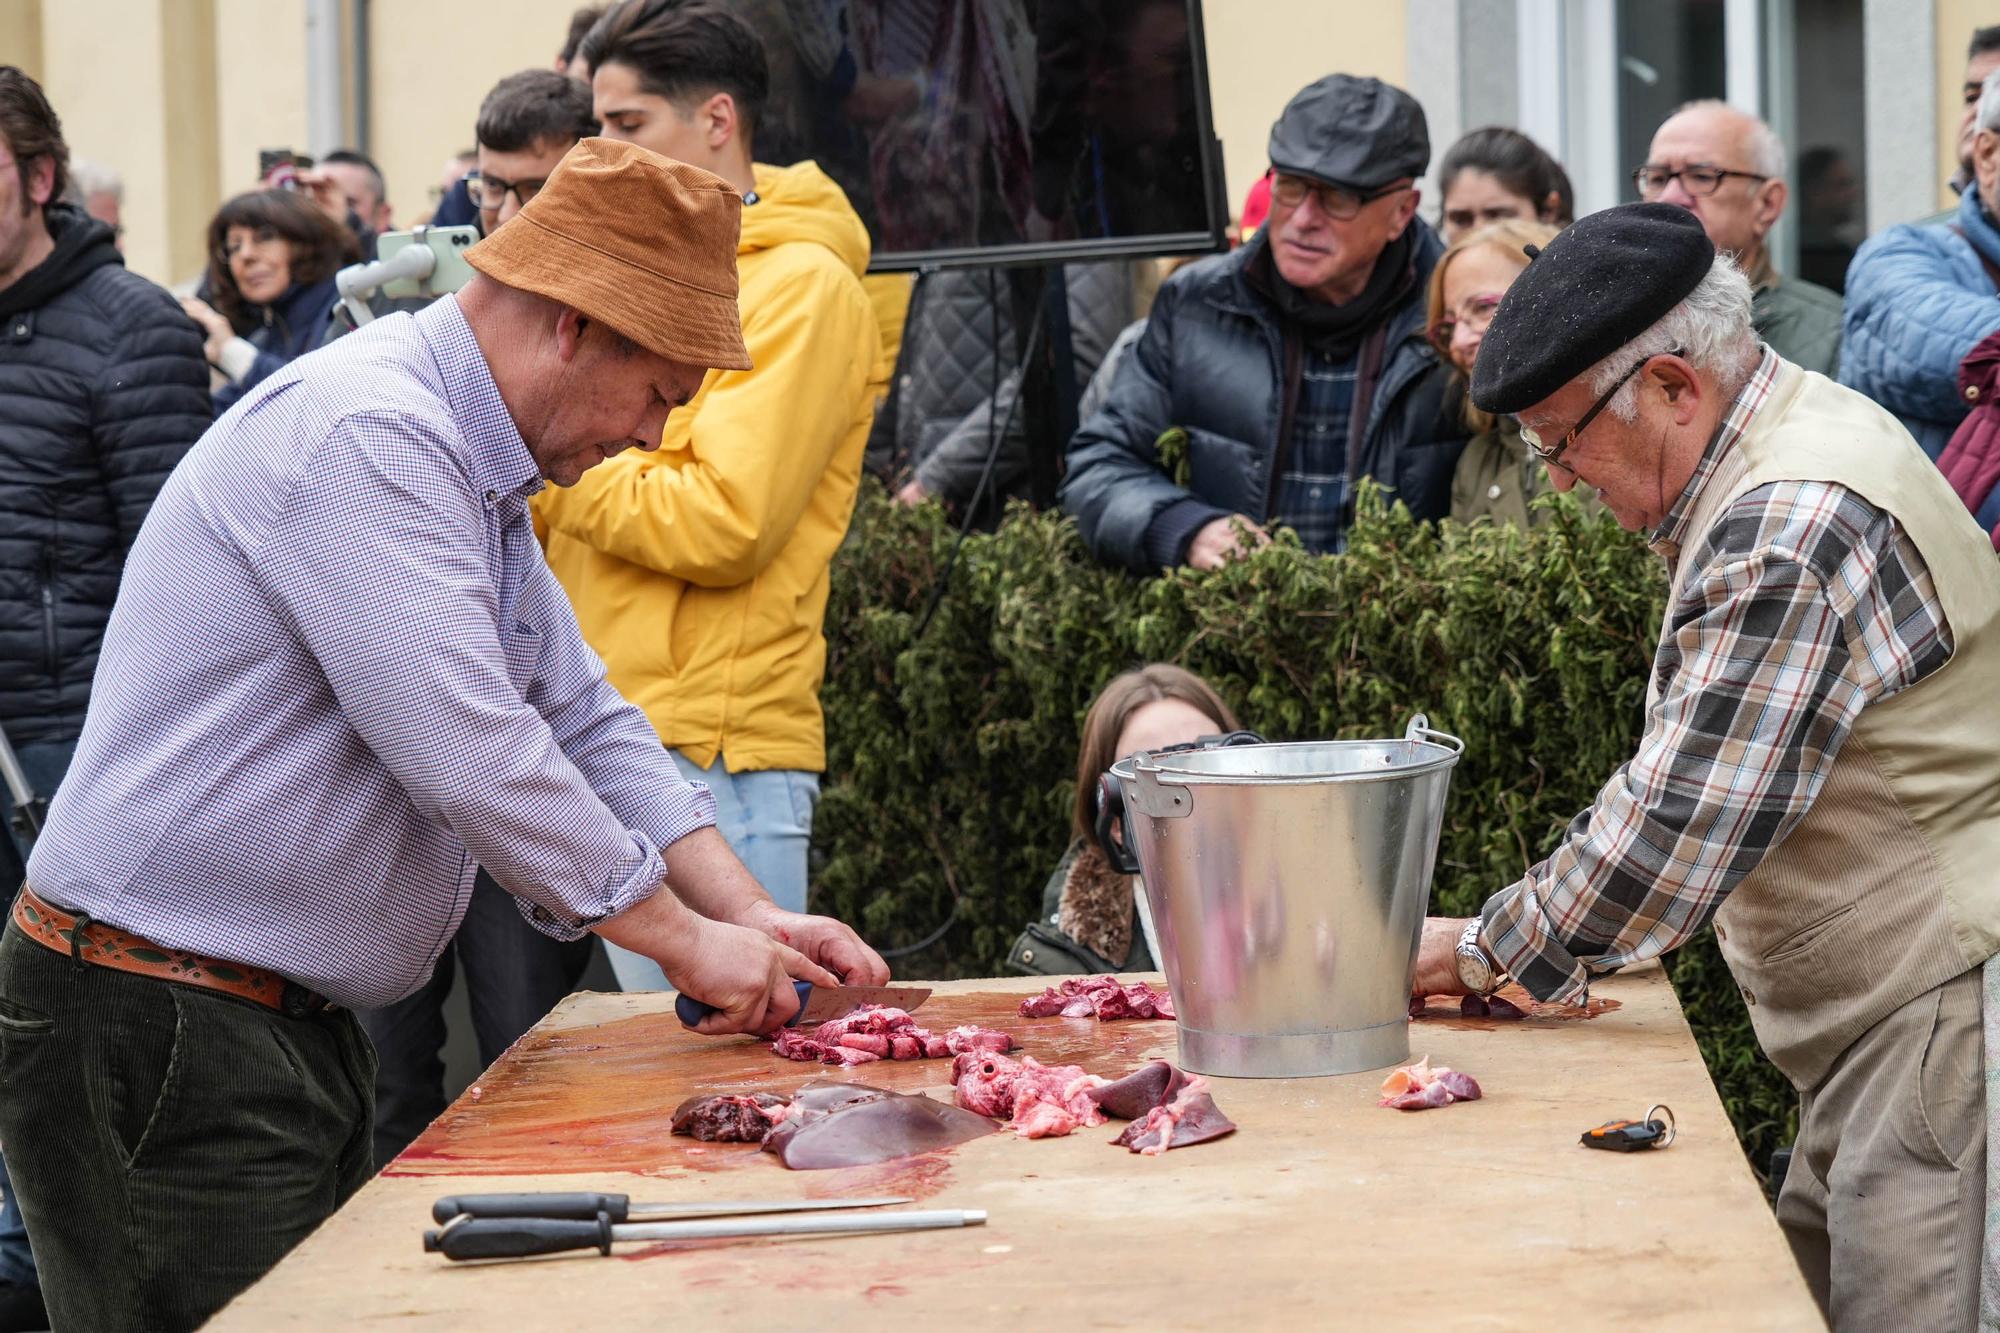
951	757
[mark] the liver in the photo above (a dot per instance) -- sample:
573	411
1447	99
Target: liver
1324	1209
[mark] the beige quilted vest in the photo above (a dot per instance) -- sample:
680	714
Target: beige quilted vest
1890	885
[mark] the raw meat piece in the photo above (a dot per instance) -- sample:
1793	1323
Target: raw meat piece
1493	1006
839	1124
1102	998
872	1042
1191	1117
881	1033
970	1038
1153	1084
729	1117
1419	1087
1416	1006
1039	1100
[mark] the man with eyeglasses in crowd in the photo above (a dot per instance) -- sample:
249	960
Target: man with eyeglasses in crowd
1727	168
514	974
1295	366
1816	775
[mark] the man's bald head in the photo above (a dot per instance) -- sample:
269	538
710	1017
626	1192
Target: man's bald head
1748	201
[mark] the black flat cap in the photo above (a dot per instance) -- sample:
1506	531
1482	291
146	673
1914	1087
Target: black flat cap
1602	282
1361	133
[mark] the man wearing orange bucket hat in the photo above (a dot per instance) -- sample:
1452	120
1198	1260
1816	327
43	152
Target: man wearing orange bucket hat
338	680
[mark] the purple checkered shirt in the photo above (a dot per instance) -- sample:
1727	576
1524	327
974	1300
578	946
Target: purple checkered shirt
339	677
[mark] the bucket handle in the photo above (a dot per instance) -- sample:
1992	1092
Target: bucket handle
1419	729
1110	815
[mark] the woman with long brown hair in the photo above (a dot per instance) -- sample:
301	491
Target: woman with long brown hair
1093	917
272	257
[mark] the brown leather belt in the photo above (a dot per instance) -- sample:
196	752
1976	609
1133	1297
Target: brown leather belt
93	942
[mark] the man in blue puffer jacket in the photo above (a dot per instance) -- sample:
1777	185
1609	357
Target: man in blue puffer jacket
1920	297
1292	367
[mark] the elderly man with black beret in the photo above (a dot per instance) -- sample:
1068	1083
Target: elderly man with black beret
1817	775
1293	367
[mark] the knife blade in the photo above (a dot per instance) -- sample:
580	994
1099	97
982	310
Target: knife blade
817	1004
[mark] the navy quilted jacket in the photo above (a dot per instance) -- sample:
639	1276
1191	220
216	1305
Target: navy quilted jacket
1211	362
102	388
1919	299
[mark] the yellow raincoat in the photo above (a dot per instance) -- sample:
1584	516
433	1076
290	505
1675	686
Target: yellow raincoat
699	571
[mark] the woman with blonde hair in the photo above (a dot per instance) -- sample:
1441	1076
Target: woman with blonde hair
1496	477
1094	918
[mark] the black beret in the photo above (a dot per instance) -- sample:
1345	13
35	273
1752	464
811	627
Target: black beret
1361	133
1602	282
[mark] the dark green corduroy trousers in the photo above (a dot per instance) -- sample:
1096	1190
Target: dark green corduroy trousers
169	1144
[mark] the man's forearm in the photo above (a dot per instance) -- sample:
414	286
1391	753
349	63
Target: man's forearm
708	877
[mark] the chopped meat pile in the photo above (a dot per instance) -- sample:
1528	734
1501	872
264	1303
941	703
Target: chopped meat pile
879	1032
1419	1087
1168	1109
844	1124
1039	1101
729	1117
1191	1117
1102	998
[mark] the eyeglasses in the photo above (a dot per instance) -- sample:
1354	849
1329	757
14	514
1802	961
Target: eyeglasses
1553	456
1697	178
1336	201
1476	315
490	192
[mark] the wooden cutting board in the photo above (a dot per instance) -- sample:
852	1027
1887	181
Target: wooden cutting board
1322	1210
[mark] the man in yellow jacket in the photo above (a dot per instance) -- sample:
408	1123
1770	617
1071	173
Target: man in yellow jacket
699	572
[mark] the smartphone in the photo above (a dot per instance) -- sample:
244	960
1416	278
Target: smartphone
448	244
278	168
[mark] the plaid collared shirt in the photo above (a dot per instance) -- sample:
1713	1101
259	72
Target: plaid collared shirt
1801	606
1313	492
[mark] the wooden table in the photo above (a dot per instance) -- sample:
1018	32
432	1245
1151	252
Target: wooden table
1322	1211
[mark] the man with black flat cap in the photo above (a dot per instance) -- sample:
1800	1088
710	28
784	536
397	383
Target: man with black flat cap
1817	773
1295	366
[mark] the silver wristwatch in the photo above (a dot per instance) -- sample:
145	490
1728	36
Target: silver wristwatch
1475	969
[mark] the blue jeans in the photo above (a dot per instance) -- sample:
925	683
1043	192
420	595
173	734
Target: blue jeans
44	766
766	818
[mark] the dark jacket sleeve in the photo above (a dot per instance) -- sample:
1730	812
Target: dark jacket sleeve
266	365
1116	485
149	405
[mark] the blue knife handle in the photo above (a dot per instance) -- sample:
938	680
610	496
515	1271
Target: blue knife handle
691	1011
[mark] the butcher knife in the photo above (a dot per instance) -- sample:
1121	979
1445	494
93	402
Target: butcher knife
819	1003
620	1208
519	1237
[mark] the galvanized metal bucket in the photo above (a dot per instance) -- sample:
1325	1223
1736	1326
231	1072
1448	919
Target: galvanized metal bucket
1288	885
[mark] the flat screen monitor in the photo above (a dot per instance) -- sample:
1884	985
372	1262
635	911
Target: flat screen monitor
1000	131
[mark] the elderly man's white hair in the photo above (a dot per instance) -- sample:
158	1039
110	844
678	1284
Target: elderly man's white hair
1765	149
1711	327
1989	102
87	178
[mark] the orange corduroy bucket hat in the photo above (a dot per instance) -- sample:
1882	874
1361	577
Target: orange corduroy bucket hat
642	242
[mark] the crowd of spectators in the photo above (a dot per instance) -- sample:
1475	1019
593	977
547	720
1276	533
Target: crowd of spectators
1253	390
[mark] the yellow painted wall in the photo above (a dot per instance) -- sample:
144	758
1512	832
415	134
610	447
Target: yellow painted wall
425	95
1260	52
21	35
260	91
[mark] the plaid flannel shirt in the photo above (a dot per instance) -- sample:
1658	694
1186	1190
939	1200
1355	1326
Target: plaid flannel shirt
1800	607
